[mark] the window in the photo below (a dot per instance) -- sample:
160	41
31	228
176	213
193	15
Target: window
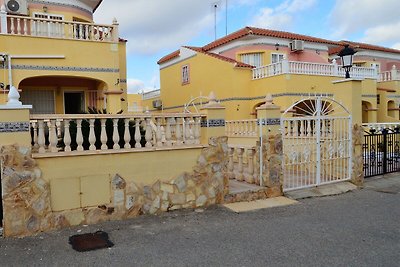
45	28
377	66
185	74
42	101
275	58
254	59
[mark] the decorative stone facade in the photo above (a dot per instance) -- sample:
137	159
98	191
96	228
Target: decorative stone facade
26	196
272	160
357	174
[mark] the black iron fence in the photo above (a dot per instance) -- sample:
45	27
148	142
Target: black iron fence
381	151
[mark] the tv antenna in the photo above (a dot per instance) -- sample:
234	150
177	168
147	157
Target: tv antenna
215	6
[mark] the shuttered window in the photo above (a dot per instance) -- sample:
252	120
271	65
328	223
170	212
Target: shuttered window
42	101
254	59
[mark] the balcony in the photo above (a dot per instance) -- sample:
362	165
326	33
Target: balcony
309	68
392	75
59	29
151	94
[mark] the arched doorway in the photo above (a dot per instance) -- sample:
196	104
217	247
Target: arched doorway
392	110
366	108
317	147
61	94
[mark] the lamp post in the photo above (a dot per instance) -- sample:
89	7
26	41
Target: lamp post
346	54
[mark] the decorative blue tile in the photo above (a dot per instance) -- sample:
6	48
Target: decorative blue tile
213	123
62	68
12	127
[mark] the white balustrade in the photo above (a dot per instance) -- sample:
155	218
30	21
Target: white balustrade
51	28
243	165
241	128
80	133
311	68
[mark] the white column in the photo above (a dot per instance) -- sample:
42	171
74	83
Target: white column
67	136
92	137
79	136
394	73
335	68
3	19
138	136
127	134
103	135
285	65
115	134
115	31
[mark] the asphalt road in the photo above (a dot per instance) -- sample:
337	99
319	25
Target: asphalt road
360	228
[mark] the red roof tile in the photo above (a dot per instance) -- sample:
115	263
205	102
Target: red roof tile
169	57
362	46
265	32
227	59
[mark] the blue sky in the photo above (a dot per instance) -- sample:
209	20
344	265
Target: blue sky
155	28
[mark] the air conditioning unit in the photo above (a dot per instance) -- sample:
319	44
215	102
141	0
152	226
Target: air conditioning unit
297	45
157	104
17	7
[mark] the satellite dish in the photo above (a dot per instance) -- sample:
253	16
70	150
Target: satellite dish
13	5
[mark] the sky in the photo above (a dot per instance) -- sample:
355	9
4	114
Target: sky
155	28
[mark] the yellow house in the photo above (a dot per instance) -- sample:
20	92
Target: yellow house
242	67
59	59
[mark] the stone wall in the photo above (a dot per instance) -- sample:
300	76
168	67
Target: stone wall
272	160
26	196
357	174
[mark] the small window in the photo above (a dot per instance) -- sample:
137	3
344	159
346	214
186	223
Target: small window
185	74
254	59
275	58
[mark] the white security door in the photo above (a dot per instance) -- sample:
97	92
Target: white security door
317	142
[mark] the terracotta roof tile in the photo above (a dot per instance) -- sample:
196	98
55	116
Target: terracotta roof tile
169	57
362	46
265	32
227	59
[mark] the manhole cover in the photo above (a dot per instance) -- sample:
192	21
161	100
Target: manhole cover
90	241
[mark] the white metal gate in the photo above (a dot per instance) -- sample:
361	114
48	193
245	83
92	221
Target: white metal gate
317	142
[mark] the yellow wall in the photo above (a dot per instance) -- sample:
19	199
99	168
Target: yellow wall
206	74
68	175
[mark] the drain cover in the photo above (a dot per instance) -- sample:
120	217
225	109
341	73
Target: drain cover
90	241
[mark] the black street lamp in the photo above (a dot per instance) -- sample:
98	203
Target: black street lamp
346	54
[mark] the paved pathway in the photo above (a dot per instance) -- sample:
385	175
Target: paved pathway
359	228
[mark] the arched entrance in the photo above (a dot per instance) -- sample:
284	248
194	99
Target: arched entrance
317	147
61	94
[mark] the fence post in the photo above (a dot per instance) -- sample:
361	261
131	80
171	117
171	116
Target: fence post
394	73
213	125
270	144
14	126
384	150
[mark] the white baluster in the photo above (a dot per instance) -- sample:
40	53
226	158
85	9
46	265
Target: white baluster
127	134
103	135
25	27
158	132
149	133
12	26
41	139
178	133
35	137
197	130
168	133
52	136
79	136
115	134
138	136
92	137
19	26
67	137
